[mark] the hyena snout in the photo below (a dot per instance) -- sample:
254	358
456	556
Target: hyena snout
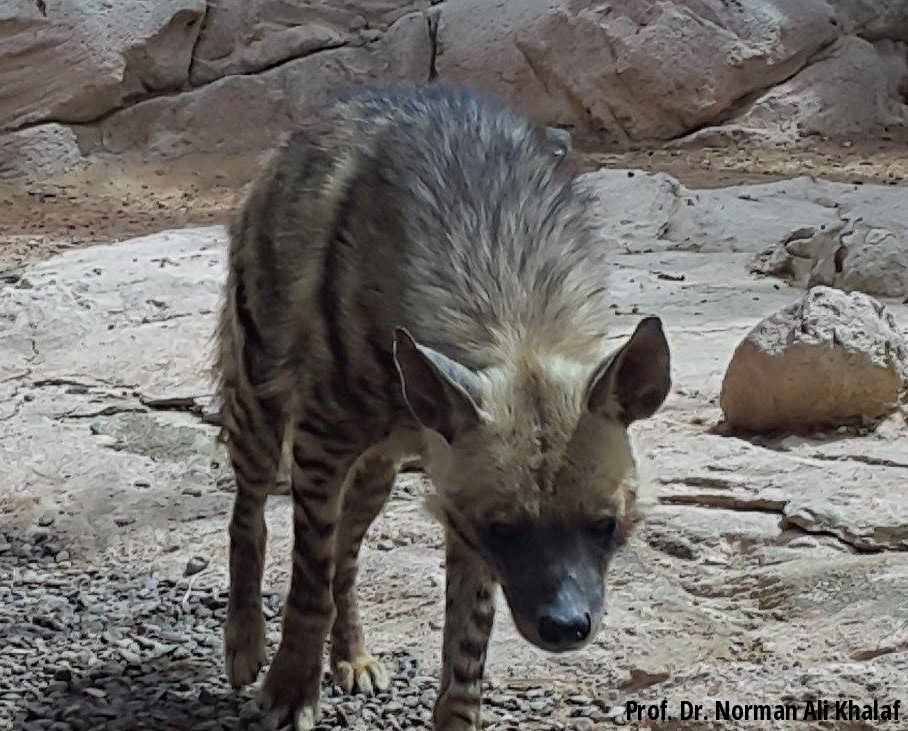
567	622
555	590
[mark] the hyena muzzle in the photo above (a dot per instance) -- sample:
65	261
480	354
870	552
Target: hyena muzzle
418	273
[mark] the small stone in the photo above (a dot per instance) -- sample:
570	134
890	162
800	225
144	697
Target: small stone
195	565
64	674
40	535
47	518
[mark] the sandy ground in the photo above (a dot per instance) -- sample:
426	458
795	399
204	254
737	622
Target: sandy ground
120	199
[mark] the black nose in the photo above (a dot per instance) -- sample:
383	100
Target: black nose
563	629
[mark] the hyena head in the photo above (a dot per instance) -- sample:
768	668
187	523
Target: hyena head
534	470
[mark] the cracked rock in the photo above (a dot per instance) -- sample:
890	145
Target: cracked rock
91	57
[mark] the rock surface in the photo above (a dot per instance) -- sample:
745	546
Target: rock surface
248	37
237	112
39	153
640	70
852	88
181	76
767	569
853	237
72	61
829	360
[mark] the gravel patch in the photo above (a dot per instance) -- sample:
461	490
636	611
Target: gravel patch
88	648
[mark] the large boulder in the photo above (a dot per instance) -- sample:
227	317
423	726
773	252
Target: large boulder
252	111
830	359
638	68
852	88
75	60
872	19
245	37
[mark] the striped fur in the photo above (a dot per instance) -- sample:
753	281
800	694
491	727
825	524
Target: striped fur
418	274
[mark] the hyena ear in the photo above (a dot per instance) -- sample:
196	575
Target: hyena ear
633	382
441	393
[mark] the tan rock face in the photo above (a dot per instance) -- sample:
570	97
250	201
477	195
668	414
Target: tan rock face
852	87
39	152
144	76
640	69
75	60
253	111
244	37
829	359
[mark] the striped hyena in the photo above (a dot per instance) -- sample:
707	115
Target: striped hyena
418	272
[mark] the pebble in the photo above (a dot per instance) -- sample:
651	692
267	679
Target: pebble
195	565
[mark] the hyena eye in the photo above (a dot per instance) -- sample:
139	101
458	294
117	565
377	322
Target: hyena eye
604	530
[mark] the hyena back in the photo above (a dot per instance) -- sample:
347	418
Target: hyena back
418	273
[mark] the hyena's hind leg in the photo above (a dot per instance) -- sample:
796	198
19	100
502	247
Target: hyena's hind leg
254	439
366	490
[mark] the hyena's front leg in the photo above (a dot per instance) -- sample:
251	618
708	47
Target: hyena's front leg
368	487
318	471
469	614
254	431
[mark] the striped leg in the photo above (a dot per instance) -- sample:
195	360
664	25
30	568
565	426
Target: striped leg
292	684
254	438
469	613
367	489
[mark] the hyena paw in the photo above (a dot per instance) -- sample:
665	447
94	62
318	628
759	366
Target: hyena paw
244	646
362	674
291	692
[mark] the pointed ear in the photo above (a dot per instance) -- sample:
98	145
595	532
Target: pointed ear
633	382
441	393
